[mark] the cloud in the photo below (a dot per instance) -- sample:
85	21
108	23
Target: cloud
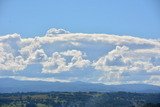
155	80
122	60
9	55
9	62
54	31
115	59
24	78
58	62
55	64
38	56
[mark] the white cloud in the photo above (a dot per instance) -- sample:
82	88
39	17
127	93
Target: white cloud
60	51
113	61
55	64
77	58
9	58
38	56
58	62
74	43
53	31
123	60
155	80
9	62
24	78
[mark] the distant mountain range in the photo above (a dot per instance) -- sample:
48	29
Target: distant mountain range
8	85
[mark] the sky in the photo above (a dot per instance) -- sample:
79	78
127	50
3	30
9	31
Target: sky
34	17
96	41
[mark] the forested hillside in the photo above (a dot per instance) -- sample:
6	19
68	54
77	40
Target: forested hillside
79	99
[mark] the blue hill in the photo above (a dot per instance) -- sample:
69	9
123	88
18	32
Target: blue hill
8	85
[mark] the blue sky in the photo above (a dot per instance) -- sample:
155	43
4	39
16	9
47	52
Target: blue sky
122	17
80	40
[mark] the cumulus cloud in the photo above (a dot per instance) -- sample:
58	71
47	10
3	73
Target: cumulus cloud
54	31
55	64
9	57
113	61
38	56
58	62
113	57
122	60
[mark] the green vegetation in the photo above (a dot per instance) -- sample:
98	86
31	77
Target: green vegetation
79	99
